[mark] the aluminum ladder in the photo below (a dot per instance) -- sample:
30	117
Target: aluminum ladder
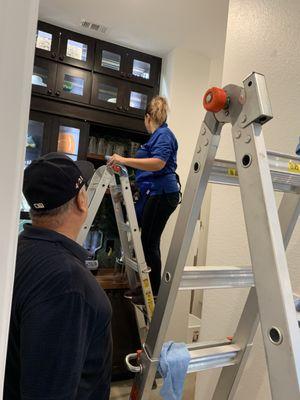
133	255
246	108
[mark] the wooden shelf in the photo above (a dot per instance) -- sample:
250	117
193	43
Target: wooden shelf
94	156
108	279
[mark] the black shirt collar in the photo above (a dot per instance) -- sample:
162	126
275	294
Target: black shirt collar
37	233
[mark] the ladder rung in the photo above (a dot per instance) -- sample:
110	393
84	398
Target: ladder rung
209	356
216	277
131	264
125	227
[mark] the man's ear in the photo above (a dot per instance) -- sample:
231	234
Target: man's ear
81	200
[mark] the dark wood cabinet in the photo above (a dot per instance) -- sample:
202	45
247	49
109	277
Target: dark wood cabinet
38	136
73	84
136	98
44	76
119	95
47	40
121	62
107	92
70	136
76	49
110	59
142	68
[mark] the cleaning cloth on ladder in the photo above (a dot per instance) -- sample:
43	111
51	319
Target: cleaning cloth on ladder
173	364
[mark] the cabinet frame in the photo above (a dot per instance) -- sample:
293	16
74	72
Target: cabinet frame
63	70
77	37
102	45
97	78
52	68
73	123
133	87
55	32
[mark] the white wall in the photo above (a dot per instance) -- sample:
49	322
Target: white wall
263	36
17	35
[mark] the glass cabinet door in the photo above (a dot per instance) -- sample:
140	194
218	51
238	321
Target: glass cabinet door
142	68
136	99
107	92
43	76
77	49
73	84
70	137
36	139
47	40
110	59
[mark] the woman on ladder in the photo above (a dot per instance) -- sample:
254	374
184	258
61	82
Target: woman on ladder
158	185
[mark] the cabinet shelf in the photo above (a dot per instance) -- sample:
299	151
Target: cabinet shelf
94	156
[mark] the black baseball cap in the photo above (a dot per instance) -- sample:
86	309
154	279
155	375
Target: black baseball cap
53	180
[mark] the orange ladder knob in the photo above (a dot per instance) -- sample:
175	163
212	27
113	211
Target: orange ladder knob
215	99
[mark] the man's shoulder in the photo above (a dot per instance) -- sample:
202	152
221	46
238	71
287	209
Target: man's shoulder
44	269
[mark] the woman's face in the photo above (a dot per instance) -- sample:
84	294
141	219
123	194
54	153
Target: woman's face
147	121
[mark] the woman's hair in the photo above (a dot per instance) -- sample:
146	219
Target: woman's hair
158	110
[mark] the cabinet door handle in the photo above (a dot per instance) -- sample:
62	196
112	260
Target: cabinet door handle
122	73
120	108
126	108
57	92
61	58
129	75
49	91
53	54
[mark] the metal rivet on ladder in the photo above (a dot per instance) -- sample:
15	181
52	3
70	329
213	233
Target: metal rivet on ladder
244	119
168	277
199	149
248	139
275	336
238	134
206	142
203	131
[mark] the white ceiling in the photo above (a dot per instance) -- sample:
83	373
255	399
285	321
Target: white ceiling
153	26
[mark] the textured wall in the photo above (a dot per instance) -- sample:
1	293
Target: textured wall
263	36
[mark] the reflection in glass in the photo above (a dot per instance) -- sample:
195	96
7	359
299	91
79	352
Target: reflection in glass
43	40
40	76
73	84
141	69
68	141
111	60
77	50
107	93
138	100
34	141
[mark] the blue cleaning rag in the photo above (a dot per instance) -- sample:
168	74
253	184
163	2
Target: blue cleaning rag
173	364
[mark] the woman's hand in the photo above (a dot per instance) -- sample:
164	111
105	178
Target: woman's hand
116	159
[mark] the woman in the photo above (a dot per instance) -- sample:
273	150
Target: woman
156	179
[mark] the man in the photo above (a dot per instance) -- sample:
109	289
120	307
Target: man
60	338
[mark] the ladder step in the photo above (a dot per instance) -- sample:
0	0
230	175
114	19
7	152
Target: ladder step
212	355
131	264
216	277
124	227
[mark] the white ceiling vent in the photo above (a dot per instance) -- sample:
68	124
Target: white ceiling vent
94	27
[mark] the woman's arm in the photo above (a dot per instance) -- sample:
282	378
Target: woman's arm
145	164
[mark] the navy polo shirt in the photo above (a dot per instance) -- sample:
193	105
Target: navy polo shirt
162	145
59	344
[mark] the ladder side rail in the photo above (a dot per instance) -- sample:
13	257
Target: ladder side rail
96	191
122	233
138	247
274	292
229	379
200	170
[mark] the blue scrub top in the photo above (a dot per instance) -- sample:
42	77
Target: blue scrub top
162	145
